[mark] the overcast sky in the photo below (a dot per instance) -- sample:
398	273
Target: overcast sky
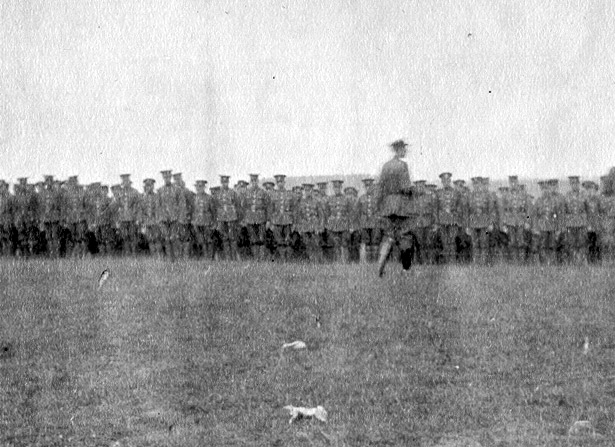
99	88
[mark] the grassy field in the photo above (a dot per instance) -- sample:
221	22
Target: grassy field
175	354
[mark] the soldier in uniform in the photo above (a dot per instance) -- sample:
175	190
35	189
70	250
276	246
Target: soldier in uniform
449	209
256	205
168	207
338	210
25	217
548	211
49	216
325	241
281	211
204	220
310	222
576	210
183	241
393	202
147	220
480	220
128	208
228	214
463	240
354	228
6	219
215	235
369	223
515	208
75	216
594	209
100	219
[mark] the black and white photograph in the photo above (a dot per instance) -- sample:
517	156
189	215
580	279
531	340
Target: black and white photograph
307	223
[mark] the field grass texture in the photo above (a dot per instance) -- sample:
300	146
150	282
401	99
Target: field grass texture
189	353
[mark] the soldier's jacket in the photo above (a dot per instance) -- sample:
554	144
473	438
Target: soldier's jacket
575	207
463	208
338	211
595	208
6	209
310	216
255	203
354	213
128	204
168	203
49	210
483	210
392	197
101	211
184	205
515	209
608	213
549	212
75	205
228	206
368	216
25	209
281	207
204	210
449	207
148	209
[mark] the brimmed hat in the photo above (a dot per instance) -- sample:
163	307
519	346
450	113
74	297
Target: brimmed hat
166	173
445	175
397	144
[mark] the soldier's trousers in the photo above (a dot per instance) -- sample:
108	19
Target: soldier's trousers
425	240
256	234
168	236
228	232
52	234
448	233
576	243
517	242
480	245
104	238
151	232
311	240
26	237
6	245
204	239
129	235
281	234
548	246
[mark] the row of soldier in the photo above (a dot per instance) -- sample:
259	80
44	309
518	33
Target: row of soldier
452	223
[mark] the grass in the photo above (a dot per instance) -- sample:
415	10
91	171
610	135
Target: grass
165	354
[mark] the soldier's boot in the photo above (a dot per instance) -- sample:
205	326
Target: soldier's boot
344	255
363	254
385	250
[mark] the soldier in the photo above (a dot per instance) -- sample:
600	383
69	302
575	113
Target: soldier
576	210
49	216
310	222
184	211
449	210
255	206
369	223
75	216
594	209
354	233
168	207
204	220
228	214
100	219
607	236
338	211
25	218
515	209
147	217
281	211
560	219
463	240
127	215
548	214
480	220
215	235
6	219
268	186
393	202
325	241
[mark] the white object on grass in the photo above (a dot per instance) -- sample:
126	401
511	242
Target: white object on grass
103	277
586	346
318	412
297	344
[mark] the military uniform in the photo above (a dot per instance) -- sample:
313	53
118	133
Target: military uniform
549	211
338	212
185	205
594	210
168	210
255	207
101	220
127	216
281	211
576	210
75	216
368	223
515	209
480	221
6	219
25	218
147	219
204	220
449	219
425	206
228	215
607	227
309	223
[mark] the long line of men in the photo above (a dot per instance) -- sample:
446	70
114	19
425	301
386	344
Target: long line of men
452	223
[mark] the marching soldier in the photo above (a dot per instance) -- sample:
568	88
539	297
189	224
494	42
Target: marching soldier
369	223
393	202
184	212
576	210
204	220
127	215
281	211
310	222
448	213
75	216
147	219
338	210
228	214
256	205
